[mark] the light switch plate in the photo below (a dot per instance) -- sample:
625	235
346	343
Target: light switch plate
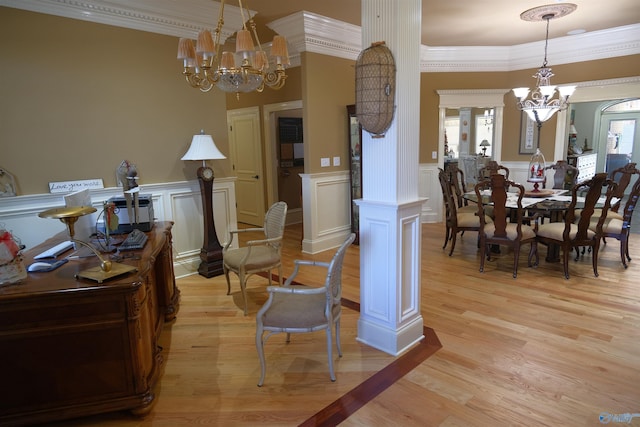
434	155
324	162
336	161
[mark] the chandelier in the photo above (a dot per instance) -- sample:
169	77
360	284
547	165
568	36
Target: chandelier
206	65
488	117
542	106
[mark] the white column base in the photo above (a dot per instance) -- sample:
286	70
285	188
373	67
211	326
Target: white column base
391	341
390	237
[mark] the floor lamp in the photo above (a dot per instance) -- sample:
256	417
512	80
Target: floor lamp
203	148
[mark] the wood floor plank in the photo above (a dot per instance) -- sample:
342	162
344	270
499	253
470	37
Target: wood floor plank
537	350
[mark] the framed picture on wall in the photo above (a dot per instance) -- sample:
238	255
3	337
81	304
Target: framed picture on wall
528	135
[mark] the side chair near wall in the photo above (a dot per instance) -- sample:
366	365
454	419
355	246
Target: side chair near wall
618	224
455	222
295	308
258	255
575	231
502	232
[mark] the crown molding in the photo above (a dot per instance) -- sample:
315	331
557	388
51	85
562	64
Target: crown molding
309	32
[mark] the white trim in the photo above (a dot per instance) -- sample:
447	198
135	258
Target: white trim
179	202
309	32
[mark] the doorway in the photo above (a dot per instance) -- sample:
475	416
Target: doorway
618	135
283	183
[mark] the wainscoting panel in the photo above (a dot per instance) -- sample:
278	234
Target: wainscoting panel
176	201
326	210
429	189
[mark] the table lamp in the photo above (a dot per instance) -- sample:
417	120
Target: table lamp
203	148
484	144
69	215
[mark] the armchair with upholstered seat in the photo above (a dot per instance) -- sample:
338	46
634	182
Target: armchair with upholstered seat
296	308
576	231
617	225
565	175
507	227
261	255
455	222
493	167
459	187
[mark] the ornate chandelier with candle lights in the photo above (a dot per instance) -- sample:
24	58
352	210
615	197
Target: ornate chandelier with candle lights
206	65
542	106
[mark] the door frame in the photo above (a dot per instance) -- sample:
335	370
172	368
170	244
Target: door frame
271	162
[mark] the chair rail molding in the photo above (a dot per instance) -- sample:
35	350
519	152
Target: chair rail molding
179	202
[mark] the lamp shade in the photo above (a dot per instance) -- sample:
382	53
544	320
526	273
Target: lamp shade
485	143
203	148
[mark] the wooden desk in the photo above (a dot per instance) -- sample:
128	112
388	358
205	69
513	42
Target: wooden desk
71	348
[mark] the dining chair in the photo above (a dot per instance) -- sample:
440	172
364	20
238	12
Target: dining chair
455	222
618	224
621	176
459	187
565	175
294	308
574	231
493	167
257	255
507	228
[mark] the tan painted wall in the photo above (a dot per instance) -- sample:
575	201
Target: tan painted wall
431	82
77	98
328	86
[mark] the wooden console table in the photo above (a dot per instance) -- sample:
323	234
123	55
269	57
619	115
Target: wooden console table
72	347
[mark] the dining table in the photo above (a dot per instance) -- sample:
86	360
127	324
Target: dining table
548	203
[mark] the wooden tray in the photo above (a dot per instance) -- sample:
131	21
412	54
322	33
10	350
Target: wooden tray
539	193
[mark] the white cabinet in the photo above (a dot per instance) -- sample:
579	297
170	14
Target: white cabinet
586	164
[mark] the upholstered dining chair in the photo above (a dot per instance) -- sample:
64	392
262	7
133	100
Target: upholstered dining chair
295	308
455	222
565	175
501	231
258	255
617	225
575	232
621	176
459	187
493	167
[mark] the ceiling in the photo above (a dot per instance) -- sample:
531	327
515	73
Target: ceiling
455	23
468	22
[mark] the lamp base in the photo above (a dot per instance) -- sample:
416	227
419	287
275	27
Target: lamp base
211	264
97	274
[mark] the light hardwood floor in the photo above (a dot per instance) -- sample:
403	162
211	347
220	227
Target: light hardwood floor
538	350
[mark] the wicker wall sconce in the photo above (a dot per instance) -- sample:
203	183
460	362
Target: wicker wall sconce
375	89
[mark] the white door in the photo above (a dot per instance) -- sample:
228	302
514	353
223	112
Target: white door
246	159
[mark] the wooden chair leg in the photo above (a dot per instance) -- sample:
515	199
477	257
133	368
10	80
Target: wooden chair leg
516	256
453	243
565	261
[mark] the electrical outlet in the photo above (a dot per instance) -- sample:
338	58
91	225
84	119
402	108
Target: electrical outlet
336	161
324	162
434	155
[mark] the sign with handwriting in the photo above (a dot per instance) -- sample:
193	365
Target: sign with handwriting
70	186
